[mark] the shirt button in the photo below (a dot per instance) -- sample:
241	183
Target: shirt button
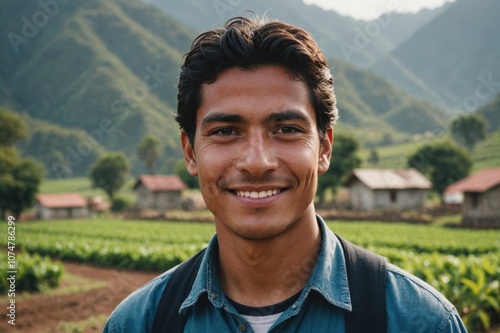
242	328
214	295
294	306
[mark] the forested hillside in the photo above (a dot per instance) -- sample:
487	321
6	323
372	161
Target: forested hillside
106	67
491	112
368	101
455	55
100	75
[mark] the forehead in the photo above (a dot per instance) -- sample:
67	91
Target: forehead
254	92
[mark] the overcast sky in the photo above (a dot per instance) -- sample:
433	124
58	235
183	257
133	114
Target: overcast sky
370	9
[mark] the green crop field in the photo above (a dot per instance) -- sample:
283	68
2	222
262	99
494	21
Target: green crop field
462	264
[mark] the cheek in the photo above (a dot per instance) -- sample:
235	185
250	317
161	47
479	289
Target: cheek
211	166
305	159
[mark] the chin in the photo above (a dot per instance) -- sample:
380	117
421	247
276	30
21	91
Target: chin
259	230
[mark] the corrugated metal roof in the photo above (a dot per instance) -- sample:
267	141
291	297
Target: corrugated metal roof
62	200
159	183
480	182
377	179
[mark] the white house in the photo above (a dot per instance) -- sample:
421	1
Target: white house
159	191
371	189
61	205
481	198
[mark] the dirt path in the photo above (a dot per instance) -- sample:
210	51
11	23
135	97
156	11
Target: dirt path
42	313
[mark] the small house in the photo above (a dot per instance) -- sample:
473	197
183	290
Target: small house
159	192
481	198
97	204
371	189
61	205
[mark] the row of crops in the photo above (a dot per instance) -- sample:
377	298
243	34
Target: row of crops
463	264
33	273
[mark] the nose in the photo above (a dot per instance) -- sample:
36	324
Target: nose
257	157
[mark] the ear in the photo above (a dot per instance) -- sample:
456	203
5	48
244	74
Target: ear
189	155
325	152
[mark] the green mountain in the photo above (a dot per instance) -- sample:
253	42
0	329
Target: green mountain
100	75
63	151
491	112
367	100
455	55
402	25
106	67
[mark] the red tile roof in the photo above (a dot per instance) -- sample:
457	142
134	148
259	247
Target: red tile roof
61	200
377	179
161	183
478	182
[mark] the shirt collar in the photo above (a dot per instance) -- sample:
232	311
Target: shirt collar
328	278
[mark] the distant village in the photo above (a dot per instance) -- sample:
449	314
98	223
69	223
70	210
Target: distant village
370	190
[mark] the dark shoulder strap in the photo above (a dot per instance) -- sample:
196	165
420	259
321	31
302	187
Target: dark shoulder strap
167	317
366	272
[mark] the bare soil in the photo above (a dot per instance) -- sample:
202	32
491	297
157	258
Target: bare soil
42	313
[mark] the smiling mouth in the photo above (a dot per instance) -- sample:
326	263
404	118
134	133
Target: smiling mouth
257	194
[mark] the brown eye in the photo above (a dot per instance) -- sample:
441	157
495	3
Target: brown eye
226	131
287	130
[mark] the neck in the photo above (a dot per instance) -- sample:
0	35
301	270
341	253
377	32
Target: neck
265	272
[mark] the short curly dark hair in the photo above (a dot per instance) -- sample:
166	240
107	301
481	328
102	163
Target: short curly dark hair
252	43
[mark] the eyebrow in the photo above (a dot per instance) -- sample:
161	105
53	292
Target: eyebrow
221	117
286	115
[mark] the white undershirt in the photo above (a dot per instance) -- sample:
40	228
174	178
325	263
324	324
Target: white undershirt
262	324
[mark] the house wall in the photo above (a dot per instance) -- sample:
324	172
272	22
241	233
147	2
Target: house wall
157	200
404	199
482	209
361	196
44	213
145	198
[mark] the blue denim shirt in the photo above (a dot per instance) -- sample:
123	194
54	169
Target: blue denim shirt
412	306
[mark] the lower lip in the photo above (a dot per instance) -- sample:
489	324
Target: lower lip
256	202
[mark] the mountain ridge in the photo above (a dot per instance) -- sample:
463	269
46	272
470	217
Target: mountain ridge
452	52
109	70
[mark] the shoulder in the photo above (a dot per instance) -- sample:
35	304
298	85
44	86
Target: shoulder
415	306
136	312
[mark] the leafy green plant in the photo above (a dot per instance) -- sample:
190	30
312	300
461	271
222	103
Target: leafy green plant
34	273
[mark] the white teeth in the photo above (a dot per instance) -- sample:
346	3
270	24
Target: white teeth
257	195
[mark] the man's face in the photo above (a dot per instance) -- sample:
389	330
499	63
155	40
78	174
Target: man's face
257	152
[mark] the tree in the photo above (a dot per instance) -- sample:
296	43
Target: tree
373	158
181	170
443	163
12	128
110	173
149	150
19	177
18	187
343	161
468	130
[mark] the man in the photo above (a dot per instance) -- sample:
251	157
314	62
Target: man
256	108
